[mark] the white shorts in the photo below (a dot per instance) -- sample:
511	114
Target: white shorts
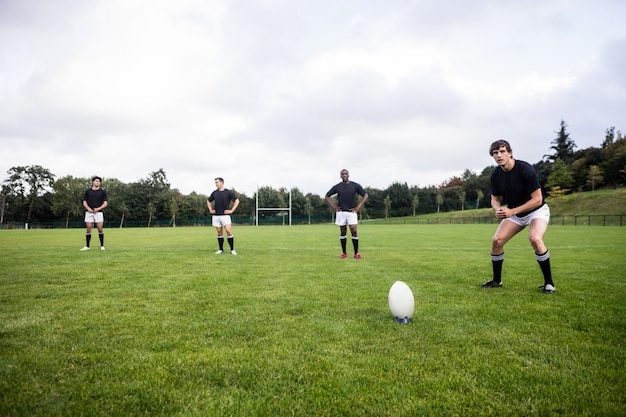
542	212
221	221
344	218
94	217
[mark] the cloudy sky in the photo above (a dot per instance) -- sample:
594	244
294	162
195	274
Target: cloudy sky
285	93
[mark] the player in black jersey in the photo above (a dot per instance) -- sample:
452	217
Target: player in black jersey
515	184
219	206
94	200
347	209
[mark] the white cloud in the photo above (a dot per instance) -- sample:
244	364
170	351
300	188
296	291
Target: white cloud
286	93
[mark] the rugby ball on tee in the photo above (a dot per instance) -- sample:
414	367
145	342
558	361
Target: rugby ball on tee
401	302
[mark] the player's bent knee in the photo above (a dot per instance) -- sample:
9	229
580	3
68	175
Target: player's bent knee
497	241
536	240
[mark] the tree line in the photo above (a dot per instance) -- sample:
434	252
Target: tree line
33	194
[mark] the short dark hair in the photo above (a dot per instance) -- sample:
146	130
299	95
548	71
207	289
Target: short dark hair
220	179
498	144
96	178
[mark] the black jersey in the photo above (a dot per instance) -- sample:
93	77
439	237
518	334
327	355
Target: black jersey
95	198
346	194
222	200
515	186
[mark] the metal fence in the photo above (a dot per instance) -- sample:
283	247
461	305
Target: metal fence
563	220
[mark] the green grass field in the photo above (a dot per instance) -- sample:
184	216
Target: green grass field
159	325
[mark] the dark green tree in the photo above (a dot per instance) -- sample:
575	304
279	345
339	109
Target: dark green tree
193	208
452	197
563	146
609	137
583	160
470	183
319	207
147	199
401	200
298	202
542	168
484	185
560	177
118	194
614	161
426	197
67	197
28	184
268	197
246	205
374	208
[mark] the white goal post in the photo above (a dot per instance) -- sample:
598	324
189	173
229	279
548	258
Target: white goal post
256	216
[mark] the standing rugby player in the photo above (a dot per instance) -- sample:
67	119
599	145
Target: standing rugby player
219	206
94	200
347	209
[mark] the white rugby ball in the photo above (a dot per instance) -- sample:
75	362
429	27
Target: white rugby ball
401	302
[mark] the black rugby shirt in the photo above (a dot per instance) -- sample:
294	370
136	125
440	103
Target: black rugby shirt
221	200
346	194
515	186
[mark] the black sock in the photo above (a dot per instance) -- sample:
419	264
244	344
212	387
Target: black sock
355	244
342	239
496	264
220	242
544	264
101	236
88	239
231	242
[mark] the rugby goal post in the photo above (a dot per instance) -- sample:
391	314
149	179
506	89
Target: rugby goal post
256	216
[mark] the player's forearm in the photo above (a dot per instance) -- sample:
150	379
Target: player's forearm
362	202
528	206
495	203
